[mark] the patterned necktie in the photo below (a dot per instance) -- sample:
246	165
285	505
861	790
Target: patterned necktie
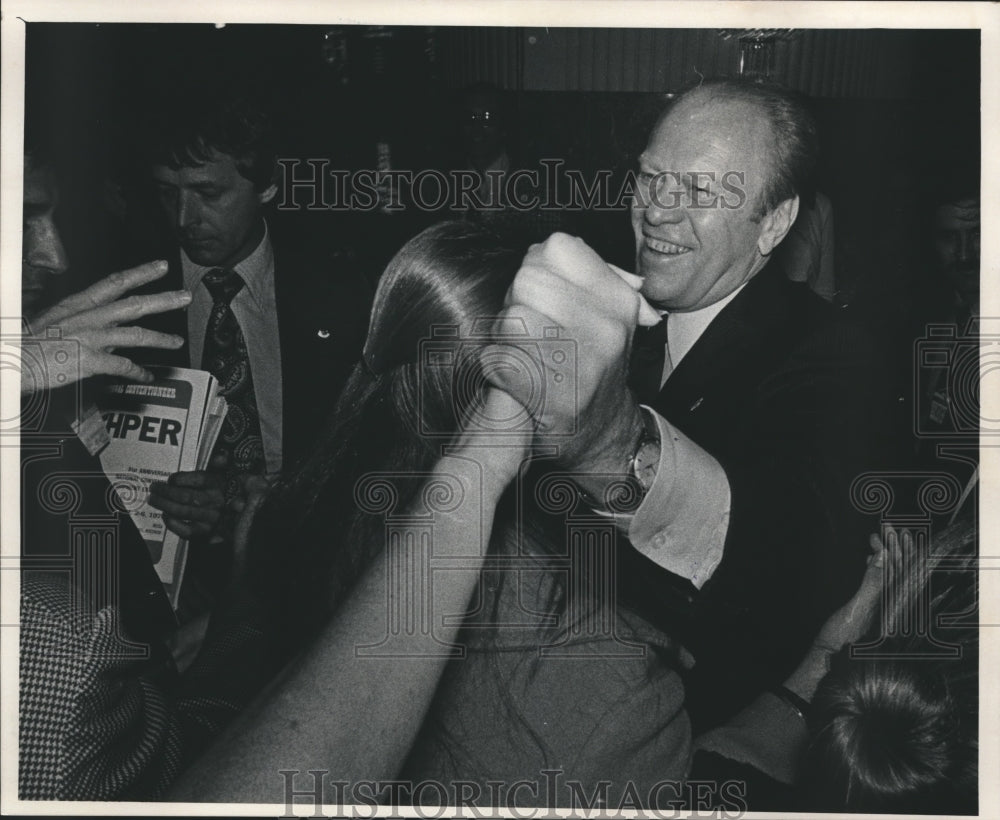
649	354
225	357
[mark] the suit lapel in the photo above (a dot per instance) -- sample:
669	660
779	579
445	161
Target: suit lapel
178	319
303	304
722	363
282	299
291	359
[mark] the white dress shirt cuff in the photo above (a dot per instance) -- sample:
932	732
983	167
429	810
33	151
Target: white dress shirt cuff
681	524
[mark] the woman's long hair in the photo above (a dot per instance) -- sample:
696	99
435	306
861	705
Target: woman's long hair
899	732
310	541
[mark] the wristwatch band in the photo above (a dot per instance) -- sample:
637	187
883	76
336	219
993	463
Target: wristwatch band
646	457
640	470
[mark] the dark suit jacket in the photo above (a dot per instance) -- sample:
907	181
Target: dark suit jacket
323	312
793	403
323	318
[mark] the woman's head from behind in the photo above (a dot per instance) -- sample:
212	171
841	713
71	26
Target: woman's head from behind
419	375
433	313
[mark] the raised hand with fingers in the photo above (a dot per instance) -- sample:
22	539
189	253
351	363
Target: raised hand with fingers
850	623
94	319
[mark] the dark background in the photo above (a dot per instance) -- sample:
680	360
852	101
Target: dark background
898	112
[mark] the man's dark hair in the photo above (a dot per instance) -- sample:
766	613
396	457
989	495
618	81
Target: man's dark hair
191	129
795	146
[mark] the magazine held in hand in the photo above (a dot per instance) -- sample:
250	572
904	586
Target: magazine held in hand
155	430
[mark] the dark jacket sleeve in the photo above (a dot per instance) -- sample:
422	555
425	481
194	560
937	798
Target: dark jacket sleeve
793	422
797	542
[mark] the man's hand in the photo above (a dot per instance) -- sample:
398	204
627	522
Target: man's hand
192	502
93	318
588	411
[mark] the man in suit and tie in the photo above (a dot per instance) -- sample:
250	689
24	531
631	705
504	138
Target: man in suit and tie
279	326
756	411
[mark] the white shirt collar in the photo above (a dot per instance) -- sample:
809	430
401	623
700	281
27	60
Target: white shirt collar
684	329
256	270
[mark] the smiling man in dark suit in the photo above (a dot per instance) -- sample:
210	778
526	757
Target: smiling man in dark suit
752	408
280	326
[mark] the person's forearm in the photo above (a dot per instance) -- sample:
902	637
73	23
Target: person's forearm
355	717
805	679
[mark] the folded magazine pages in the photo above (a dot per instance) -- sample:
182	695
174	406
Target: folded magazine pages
155	430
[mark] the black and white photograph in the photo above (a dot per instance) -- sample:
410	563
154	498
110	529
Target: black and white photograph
503	409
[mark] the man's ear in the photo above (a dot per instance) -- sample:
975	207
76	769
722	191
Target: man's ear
267	194
776	224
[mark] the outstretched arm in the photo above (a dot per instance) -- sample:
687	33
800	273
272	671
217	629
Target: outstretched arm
356	717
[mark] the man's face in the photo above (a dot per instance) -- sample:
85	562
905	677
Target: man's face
956	242
700	179
42	254
215	212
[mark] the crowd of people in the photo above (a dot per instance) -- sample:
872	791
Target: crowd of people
519	524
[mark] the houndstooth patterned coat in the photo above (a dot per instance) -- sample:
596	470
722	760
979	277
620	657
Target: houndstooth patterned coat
100	722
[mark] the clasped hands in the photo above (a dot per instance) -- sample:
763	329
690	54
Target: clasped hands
565	291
